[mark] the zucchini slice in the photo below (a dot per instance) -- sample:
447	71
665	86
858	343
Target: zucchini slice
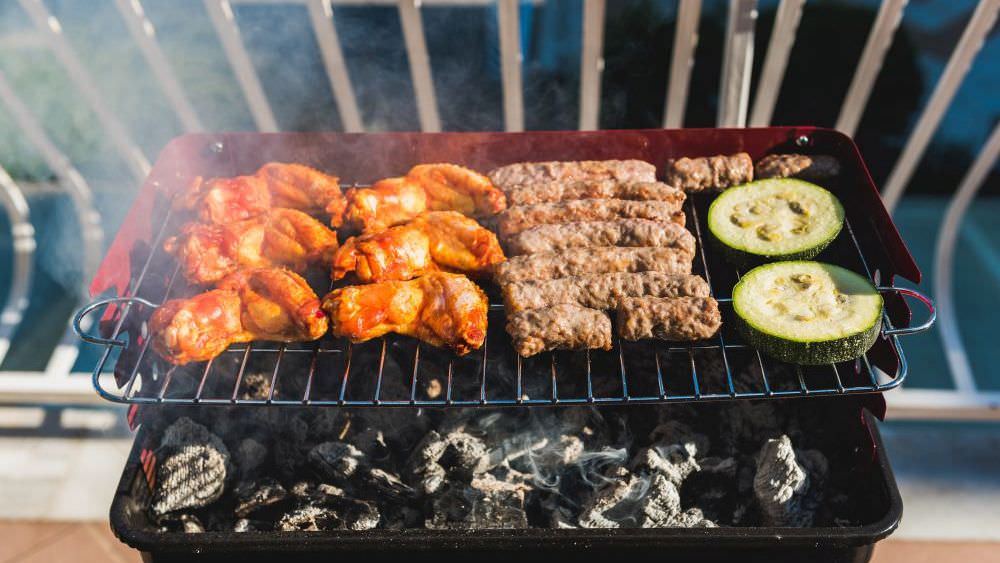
775	219
807	313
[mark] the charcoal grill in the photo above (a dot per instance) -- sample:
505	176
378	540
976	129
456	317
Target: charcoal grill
399	372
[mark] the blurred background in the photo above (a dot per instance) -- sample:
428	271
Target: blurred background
92	91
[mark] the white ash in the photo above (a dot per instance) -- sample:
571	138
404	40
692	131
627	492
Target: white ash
468	507
675	461
788	483
336	460
192	467
438	456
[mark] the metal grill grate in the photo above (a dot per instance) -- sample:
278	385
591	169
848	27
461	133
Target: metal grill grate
398	372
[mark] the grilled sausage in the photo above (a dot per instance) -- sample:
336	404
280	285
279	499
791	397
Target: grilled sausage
550	192
678	318
709	172
539	172
564	327
585	234
602	291
517	219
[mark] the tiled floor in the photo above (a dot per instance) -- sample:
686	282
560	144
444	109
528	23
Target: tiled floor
36	542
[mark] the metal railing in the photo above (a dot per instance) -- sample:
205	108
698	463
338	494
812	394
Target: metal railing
734	107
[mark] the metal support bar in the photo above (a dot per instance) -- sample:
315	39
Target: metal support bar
23	235
958	65
420	65
737	64
890	13
144	35
321	16
508	20
221	13
591	64
944	263
681	61
119	136
779	47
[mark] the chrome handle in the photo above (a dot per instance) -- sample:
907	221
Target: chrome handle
82	313
906	331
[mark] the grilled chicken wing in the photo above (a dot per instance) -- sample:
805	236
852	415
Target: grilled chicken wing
300	187
264	304
426	187
294	186
225	200
284	237
441	309
433	241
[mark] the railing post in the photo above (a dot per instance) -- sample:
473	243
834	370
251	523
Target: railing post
779	47
420	65
737	64
591	64
321	16
23	235
508	20
681	61
958	65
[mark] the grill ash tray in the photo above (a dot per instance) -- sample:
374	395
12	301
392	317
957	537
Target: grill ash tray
700	484
398	371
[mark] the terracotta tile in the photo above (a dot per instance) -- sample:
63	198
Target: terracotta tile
83	543
19	537
906	551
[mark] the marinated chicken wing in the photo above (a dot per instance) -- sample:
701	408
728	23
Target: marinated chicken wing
294	186
225	200
426	187
441	309
264	304
433	241
300	187
284	237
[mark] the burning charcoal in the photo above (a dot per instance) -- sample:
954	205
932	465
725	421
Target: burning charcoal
249	455
389	485
192	469
360	515
437	456
248	525
659	506
638	501
255	387
290	447
187	523
714	487
693	518
508	451
676	432
615	492
328	424
309	518
336	460
254	495
401	517
371	442
675	462
488	506
784	484
302	489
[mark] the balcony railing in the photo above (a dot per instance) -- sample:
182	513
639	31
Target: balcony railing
57	383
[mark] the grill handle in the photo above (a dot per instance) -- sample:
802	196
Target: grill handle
83	312
926	325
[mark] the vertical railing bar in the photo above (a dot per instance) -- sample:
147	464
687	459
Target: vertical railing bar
890	13
204	378
681	61
737	64
508	21
224	20
944	262
381	370
12	200
954	72
239	374
591	64
779	47
413	378
48	24
276	373
321	17
420	65
143	33
347	373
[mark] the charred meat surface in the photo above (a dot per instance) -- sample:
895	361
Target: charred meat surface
518	219
440	240
601	291
679	318
589	261
442	309
556	191
586	234
709	172
524	173
562	327
812	167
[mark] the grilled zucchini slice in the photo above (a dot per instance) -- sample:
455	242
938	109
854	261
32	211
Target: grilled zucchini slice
807	313
775	219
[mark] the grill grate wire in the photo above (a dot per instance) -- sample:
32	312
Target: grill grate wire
151	381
